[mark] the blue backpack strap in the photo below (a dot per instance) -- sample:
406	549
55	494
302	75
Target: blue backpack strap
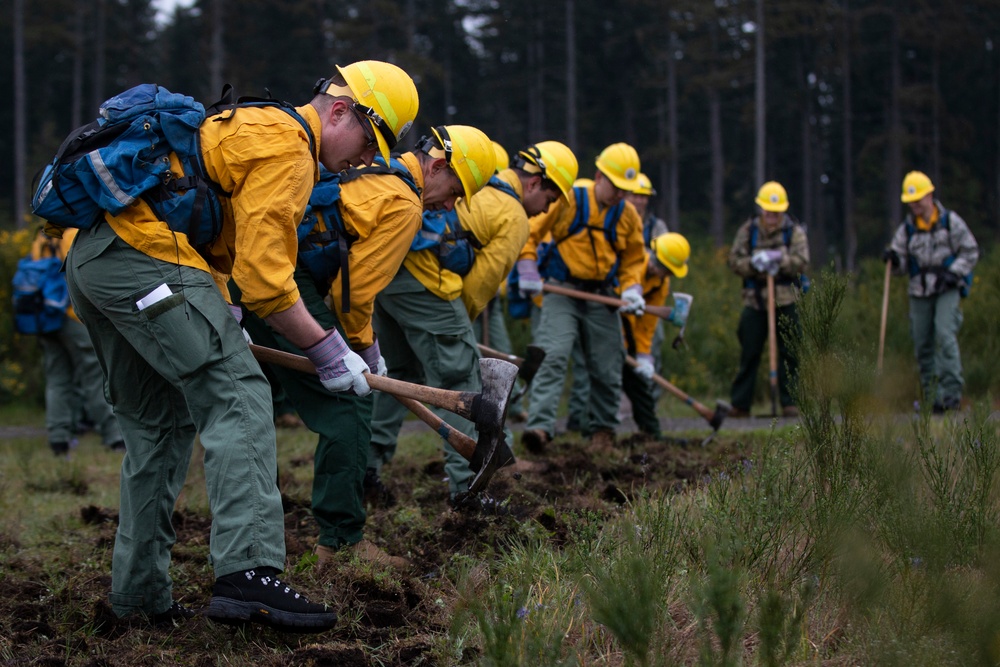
503	186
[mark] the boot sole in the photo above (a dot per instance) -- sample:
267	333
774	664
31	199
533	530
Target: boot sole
238	612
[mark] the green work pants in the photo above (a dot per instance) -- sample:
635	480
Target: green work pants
73	376
496	327
934	324
598	328
579	393
176	368
752	334
341	420
640	393
425	340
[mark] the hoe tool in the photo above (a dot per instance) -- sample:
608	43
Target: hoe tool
660	311
772	345
714	419
885	316
488	409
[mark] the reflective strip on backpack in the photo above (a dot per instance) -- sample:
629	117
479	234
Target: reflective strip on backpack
109	182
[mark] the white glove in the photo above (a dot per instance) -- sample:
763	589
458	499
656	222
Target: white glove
644	366
682	308
634	303
529	283
373	357
767	261
339	368
237	312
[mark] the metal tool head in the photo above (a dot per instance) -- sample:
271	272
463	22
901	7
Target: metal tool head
490	412
722	410
533	358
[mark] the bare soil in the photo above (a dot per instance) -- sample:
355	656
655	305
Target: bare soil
62	617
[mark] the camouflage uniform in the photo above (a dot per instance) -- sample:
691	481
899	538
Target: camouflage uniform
935	315
752	330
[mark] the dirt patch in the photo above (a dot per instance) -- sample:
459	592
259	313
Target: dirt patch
60	615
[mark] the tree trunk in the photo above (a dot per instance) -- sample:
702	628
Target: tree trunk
673	213
760	98
98	91
571	121
20	109
536	87
76	108
936	110
718	223
850	233
894	168
217	62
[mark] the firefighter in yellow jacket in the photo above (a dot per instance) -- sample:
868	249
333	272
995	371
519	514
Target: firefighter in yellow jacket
177	363
667	257
596	247
380	207
430	326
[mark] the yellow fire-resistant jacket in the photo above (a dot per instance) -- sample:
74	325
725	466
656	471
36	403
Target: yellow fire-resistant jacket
501	226
261	156
655	290
588	254
385	214
45	246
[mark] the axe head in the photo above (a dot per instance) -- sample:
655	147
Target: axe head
490	410
722	410
533	358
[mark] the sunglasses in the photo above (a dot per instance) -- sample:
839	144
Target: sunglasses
365	127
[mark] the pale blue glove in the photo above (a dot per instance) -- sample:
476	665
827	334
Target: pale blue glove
634	303
644	366
339	368
529	283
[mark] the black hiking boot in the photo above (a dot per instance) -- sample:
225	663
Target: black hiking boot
258	596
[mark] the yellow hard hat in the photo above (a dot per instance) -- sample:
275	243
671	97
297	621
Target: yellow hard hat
772	197
553	160
672	251
620	163
645	186
503	160
385	95
469	153
916	186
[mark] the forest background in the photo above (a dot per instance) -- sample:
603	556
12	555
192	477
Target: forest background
835	99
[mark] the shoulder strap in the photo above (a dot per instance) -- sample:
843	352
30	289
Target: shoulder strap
503	186
225	103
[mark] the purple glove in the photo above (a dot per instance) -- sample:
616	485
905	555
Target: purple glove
529	283
237	312
373	357
338	367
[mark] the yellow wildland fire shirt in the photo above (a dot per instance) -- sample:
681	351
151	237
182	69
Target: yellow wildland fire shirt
501	226
588	254
655	290
384	213
261	157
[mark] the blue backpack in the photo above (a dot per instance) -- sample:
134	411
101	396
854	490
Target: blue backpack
124	155
41	296
323	254
442	232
